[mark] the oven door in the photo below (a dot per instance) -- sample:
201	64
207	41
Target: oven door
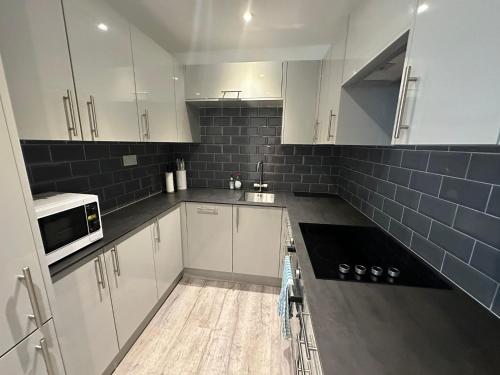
62	229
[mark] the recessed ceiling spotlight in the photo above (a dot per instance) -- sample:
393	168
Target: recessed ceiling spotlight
247	16
422	8
102	27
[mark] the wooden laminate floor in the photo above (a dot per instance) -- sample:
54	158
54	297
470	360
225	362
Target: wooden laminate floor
212	327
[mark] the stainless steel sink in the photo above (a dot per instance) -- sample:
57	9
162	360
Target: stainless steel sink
253	196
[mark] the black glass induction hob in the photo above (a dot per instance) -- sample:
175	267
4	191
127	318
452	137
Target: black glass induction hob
365	254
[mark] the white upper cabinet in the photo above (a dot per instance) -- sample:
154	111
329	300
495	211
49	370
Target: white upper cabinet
188	120
242	80
454	60
300	101
37	65
373	25
332	69
99	40
22	291
154	81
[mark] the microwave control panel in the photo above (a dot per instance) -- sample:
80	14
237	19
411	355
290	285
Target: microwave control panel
93	222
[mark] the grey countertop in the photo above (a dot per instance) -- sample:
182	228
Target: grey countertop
386	329
120	222
359	328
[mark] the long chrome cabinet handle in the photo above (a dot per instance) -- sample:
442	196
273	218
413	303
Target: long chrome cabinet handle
94	116
70	113
99	273
94	130
332	115
91	118
158	234
116	261
237	218
26	276
43	347
145	125
402	104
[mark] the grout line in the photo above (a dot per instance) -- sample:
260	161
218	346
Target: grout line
442	263
488	200
472	252
494	297
468	165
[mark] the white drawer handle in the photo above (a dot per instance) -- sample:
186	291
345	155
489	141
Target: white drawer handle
207	210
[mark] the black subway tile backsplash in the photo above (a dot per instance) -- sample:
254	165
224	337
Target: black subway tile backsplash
437	209
485	168
247	135
449	163
467	193
484	227
471	280
427	250
452	241
96	168
487	260
447	211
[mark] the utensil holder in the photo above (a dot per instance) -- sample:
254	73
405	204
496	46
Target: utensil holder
181	179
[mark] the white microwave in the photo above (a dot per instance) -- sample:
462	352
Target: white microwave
68	222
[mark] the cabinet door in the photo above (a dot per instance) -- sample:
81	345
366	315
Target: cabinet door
168	250
27	357
253	80
99	41
299	108
131	275
18	250
452	56
84	319
154	82
330	88
256	240
188	119
374	25
37	66
209	237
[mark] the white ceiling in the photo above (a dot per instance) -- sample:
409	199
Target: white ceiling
199	28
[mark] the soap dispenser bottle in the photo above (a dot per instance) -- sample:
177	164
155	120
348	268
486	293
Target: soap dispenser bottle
231	182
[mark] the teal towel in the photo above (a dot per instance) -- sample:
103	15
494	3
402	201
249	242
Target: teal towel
283	308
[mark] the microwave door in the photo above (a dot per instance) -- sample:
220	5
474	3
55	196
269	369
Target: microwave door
63	228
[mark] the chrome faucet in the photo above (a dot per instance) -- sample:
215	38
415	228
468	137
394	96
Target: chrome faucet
260	185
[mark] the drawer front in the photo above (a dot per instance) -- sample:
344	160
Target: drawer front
209	237
38	354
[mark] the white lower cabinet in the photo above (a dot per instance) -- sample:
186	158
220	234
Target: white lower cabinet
132	282
256	240
209	237
168	250
84	319
38	354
